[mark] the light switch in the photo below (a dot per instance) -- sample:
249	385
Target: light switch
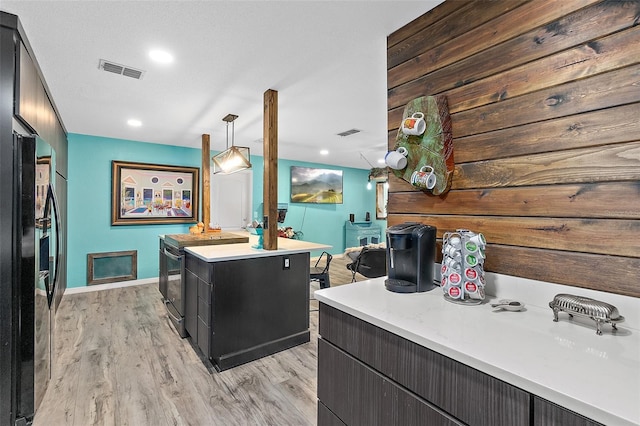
286	263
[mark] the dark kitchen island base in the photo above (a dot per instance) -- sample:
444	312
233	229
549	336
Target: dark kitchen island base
241	310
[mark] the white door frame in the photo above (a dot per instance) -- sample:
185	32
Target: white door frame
220	198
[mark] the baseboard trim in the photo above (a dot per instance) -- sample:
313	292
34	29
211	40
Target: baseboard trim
110	286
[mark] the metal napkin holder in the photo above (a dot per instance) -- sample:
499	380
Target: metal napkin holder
600	312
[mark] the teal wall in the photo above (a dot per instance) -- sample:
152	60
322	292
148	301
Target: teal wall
89	198
320	223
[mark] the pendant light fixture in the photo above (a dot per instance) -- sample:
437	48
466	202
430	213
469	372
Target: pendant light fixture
234	158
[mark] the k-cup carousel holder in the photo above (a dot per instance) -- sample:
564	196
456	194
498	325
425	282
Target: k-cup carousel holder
462	270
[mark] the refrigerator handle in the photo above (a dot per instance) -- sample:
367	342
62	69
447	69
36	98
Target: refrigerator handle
52	201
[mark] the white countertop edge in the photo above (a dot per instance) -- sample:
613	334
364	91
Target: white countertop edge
239	251
552	393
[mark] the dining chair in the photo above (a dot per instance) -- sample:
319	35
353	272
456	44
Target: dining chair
320	272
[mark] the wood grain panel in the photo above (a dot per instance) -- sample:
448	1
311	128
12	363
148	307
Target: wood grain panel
594	57
613	274
607	126
573	30
441	31
362	397
598	236
424	21
602	91
545	125
595	164
547	413
494	26
620	200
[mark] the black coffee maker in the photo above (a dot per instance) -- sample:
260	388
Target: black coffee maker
411	251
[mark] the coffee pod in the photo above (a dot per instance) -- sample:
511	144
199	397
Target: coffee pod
455	266
479	240
480	253
471	260
473	290
471	274
455	279
470	287
455	241
454	292
443	270
471	247
451	251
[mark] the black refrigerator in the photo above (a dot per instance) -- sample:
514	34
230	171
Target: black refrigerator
35	259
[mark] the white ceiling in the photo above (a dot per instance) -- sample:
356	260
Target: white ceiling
326	59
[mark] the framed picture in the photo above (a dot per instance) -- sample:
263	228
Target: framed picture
381	200
144	194
320	186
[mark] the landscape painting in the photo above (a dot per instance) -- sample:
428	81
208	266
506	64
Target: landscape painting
153	194
311	185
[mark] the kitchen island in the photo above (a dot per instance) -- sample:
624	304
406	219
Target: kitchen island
244	303
451	364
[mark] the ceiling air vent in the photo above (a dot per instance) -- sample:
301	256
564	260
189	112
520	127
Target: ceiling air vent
349	132
124	70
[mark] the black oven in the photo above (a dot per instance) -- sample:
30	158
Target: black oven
171	284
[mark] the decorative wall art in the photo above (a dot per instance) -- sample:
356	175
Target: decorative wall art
321	186
143	194
425	133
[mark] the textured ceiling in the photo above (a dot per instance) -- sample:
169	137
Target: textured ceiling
326	59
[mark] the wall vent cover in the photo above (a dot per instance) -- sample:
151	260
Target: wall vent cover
349	132
110	66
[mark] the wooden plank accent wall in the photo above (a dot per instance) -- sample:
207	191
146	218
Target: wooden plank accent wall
544	99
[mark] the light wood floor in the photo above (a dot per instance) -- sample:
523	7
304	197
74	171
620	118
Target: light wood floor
118	361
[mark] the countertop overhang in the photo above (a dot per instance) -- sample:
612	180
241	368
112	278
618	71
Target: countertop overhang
221	253
564	362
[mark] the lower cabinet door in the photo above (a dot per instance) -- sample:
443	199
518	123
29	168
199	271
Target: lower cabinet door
191	304
359	395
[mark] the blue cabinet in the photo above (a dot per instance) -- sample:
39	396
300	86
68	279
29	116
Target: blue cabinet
362	234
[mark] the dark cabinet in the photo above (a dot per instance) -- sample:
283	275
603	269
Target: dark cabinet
361	396
241	310
461	391
546	413
35	108
369	376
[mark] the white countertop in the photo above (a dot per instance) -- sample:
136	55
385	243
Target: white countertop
564	362
224	252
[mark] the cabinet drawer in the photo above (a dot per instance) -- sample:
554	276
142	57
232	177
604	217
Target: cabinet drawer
466	393
198	267
358	395
547	413
204	291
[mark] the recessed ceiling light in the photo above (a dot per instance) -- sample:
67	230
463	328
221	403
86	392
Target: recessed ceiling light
324	152
161	56
134	123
